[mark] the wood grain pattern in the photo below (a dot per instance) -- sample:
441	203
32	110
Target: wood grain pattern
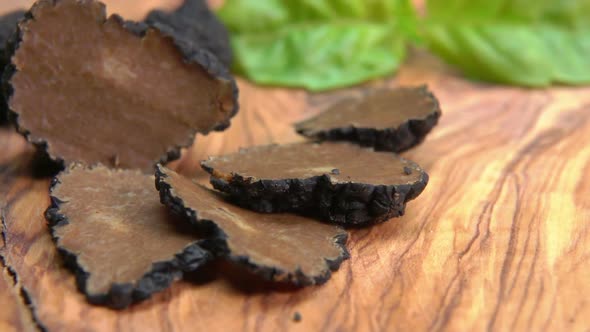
15	315
499	240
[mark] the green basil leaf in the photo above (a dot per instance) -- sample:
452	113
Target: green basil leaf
530	43
318	45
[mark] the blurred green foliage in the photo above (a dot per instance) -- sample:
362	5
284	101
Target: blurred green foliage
522	42
326	44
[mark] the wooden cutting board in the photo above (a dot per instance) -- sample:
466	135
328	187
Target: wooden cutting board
500	239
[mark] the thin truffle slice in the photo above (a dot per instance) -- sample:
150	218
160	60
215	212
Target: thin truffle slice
194	23
339	182
7	29
120	240
387	120
280	247
88	89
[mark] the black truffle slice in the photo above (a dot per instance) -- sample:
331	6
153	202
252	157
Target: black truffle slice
7	28
280	247
120	240
387	120
88	89
194	23
339	182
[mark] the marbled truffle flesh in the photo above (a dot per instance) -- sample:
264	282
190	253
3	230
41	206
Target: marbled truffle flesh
280	247
339	182
86	89
387	120
113	231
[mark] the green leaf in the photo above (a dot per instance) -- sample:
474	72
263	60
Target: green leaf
522	42
318	44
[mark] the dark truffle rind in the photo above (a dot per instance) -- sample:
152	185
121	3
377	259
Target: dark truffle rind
191	54
343	203
120	296
194	22
399	139
217	241
8	24
348	204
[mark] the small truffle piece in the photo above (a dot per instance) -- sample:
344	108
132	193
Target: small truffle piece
88	89
279	247
123	244
7	29
194	23
368	187
387	120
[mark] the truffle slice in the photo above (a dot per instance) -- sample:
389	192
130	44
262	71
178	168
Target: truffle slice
7	28
121	241
90	90
280	247
339	182
194	23
387	120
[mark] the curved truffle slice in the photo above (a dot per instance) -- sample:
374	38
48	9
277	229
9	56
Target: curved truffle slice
194	23
113	231
90	90
280	247
340	182
387	120
7	28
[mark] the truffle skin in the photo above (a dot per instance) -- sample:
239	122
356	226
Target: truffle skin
338	182
278	247
8	24
194	22
139	98
97	210
387	120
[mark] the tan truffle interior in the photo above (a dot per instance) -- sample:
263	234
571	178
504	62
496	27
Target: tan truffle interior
117	226
379	110
342	162
98	93
282	241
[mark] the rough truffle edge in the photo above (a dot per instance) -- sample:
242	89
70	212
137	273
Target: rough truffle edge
346	204
201	10
201	57
120	296
217	243
4	23
192	54
405	136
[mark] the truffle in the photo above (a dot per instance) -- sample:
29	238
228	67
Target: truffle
8	24
387	120
368	187
279	247
115	234
88	89
194	23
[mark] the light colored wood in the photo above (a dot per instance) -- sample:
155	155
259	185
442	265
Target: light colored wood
130	9
15	315
499	240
